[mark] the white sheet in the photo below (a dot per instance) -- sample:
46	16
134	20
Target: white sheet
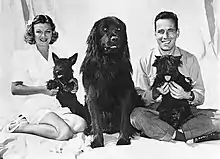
24	146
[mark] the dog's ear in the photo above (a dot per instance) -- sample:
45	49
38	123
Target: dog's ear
157	57
92	48
177	60
156	61
92	40
73	58
55	57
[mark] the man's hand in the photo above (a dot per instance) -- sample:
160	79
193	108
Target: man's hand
164	89
139	91
176	91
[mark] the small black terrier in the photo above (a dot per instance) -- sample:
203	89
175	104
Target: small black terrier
66	83
174	111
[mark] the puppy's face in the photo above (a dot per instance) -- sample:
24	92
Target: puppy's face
63	67
112	34
167	66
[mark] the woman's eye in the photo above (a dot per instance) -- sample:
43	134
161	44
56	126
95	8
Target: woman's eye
48	32
38	31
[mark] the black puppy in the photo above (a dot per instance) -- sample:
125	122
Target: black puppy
173	111
110	92
66	83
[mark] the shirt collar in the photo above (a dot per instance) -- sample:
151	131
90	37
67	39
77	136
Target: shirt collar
175	53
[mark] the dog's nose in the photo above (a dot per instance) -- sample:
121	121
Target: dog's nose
114	38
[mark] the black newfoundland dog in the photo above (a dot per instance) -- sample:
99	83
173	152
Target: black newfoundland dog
107	79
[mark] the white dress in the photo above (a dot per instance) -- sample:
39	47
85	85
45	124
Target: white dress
31	68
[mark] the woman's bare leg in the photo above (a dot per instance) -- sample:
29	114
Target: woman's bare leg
77	123
51	126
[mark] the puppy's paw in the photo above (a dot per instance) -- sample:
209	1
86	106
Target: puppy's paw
123	141
51	84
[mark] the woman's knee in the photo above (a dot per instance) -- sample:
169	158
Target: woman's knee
59	129
64	133
80	125
77	123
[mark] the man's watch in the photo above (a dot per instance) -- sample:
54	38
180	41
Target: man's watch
192	96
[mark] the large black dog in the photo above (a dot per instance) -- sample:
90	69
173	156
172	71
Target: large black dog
67	84
110	92
173	111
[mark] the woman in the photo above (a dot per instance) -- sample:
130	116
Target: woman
42	115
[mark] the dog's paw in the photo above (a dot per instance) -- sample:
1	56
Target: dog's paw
97	142
88	131
51	84
123	141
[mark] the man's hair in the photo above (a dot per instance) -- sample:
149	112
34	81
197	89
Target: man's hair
167	15
29	34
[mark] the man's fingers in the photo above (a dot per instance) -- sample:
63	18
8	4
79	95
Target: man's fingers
166	89
174	95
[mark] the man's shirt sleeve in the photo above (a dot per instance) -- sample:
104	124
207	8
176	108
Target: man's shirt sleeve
142	81
198	88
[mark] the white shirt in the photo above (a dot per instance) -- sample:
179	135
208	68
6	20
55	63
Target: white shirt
33	69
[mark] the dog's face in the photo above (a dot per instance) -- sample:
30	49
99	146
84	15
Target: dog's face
167	66
63	67
63	74
110	35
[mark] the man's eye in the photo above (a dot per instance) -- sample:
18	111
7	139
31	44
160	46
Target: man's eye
161	31
171	30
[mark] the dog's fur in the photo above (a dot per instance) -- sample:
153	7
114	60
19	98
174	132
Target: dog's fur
106	70
66	83
173	111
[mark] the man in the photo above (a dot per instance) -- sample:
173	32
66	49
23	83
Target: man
147	119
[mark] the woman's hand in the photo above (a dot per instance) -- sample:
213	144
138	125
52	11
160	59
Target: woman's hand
51	92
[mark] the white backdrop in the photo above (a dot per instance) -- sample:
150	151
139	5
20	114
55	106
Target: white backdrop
75	18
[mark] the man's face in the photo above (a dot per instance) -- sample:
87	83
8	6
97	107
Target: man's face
166	34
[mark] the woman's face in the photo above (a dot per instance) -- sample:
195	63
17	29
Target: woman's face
166	34
42	34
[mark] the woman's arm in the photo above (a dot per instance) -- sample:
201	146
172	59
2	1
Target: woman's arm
18	88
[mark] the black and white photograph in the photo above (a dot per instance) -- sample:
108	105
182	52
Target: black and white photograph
109	79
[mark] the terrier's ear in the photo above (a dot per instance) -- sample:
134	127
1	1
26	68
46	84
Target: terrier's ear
73	58
55	57
157	57
156	61
178	61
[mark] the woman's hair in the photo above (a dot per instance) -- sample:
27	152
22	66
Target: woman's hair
29	34
167	15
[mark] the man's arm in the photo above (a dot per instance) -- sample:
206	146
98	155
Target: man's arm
198	87
142	81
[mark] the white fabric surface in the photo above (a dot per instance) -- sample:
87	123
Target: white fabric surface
24	146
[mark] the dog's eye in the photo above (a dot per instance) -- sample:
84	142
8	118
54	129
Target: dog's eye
105	29
118	29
